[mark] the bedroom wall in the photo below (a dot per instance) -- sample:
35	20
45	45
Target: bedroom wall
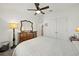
14	13
62	21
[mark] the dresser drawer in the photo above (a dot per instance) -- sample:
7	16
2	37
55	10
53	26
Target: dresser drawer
26	36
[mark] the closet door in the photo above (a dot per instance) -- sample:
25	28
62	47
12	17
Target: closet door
62	26
50	27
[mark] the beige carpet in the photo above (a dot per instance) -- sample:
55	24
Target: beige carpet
7	53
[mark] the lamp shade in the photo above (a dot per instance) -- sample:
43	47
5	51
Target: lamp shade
12	25
77	29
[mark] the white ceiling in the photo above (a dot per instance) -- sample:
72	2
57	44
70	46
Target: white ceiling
18	7
22	7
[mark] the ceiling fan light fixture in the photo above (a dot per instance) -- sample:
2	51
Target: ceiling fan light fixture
38	12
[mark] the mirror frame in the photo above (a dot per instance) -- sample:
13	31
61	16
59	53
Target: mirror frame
26	21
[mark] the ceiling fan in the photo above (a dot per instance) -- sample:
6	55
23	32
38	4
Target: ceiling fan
38	9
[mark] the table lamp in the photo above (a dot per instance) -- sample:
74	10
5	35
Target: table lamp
77	30
13	26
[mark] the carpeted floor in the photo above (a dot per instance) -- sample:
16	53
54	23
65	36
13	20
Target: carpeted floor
7	53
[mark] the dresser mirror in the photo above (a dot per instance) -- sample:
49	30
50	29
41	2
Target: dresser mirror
26	26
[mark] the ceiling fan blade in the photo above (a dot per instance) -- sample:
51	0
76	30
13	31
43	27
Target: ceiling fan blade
42	12
31	9
44	8
37	6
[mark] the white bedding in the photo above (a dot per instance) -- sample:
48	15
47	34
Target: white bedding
44	46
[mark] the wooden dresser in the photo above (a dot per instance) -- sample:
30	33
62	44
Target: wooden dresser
27	35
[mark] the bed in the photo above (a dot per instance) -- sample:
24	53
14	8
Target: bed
46	46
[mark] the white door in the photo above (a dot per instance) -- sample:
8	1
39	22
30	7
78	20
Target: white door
62	25
50	26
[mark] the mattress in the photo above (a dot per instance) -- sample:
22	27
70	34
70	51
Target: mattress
46	46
